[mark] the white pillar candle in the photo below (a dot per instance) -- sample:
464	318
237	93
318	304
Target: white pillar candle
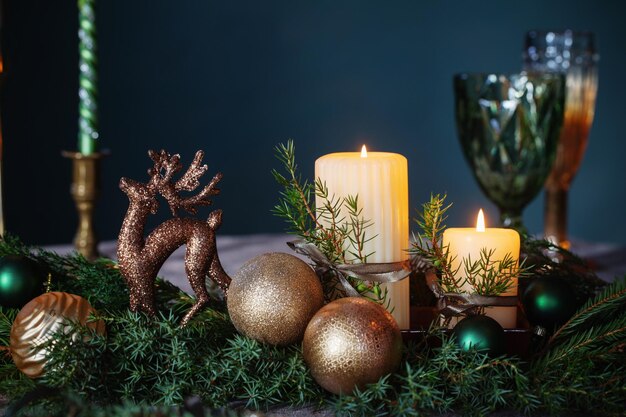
380	180
466	243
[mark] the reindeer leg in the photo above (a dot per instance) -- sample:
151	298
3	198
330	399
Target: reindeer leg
197	260
199	305
149	306
202	299
217	274
142	299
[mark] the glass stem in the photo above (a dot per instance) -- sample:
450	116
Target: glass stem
555	217
512	219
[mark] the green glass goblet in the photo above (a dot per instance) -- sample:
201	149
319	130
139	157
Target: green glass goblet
509	129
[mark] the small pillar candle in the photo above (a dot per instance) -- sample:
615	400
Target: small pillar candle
380	180
466	243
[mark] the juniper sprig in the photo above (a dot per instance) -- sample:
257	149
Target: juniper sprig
334	224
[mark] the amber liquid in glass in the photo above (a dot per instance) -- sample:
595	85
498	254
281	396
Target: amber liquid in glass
581	89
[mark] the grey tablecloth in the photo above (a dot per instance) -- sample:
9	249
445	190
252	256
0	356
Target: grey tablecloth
609	260
233	251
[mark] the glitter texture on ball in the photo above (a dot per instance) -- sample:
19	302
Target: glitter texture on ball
273	297
351	342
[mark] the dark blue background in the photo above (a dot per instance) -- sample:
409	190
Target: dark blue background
237	77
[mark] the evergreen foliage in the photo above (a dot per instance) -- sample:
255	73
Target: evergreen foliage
334	224
484	275
548	260
149	367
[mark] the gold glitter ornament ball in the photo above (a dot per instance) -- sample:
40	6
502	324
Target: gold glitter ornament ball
273	297
351	342
38	320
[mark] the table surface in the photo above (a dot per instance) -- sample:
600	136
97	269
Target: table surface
609	260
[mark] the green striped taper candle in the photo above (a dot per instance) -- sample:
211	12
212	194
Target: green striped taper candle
87	78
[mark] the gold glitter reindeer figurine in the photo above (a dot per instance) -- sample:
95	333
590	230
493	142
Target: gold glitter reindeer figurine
141	258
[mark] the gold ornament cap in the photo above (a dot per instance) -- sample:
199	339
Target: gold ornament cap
38	320
273	297
351	342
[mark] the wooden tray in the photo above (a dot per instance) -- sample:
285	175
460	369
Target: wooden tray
517	340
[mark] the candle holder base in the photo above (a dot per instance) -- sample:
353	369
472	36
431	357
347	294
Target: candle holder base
85	189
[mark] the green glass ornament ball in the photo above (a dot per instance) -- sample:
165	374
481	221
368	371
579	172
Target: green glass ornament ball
21	280
549	302
481	333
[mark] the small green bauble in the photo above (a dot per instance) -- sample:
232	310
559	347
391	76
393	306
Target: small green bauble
549	302
21	280
481	333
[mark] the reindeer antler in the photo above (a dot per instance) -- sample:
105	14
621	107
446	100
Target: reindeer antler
189	180
165	166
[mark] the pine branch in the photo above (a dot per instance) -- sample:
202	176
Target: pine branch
340	236
548	260
485	275
446	379
597	327
596	310
492	277
7	315
588	351
598	340
577	383
297	208
355	230
294	205
431	222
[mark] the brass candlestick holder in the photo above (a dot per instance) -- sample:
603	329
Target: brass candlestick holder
85	190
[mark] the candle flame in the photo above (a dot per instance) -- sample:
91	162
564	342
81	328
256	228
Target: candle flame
480	221
363	152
